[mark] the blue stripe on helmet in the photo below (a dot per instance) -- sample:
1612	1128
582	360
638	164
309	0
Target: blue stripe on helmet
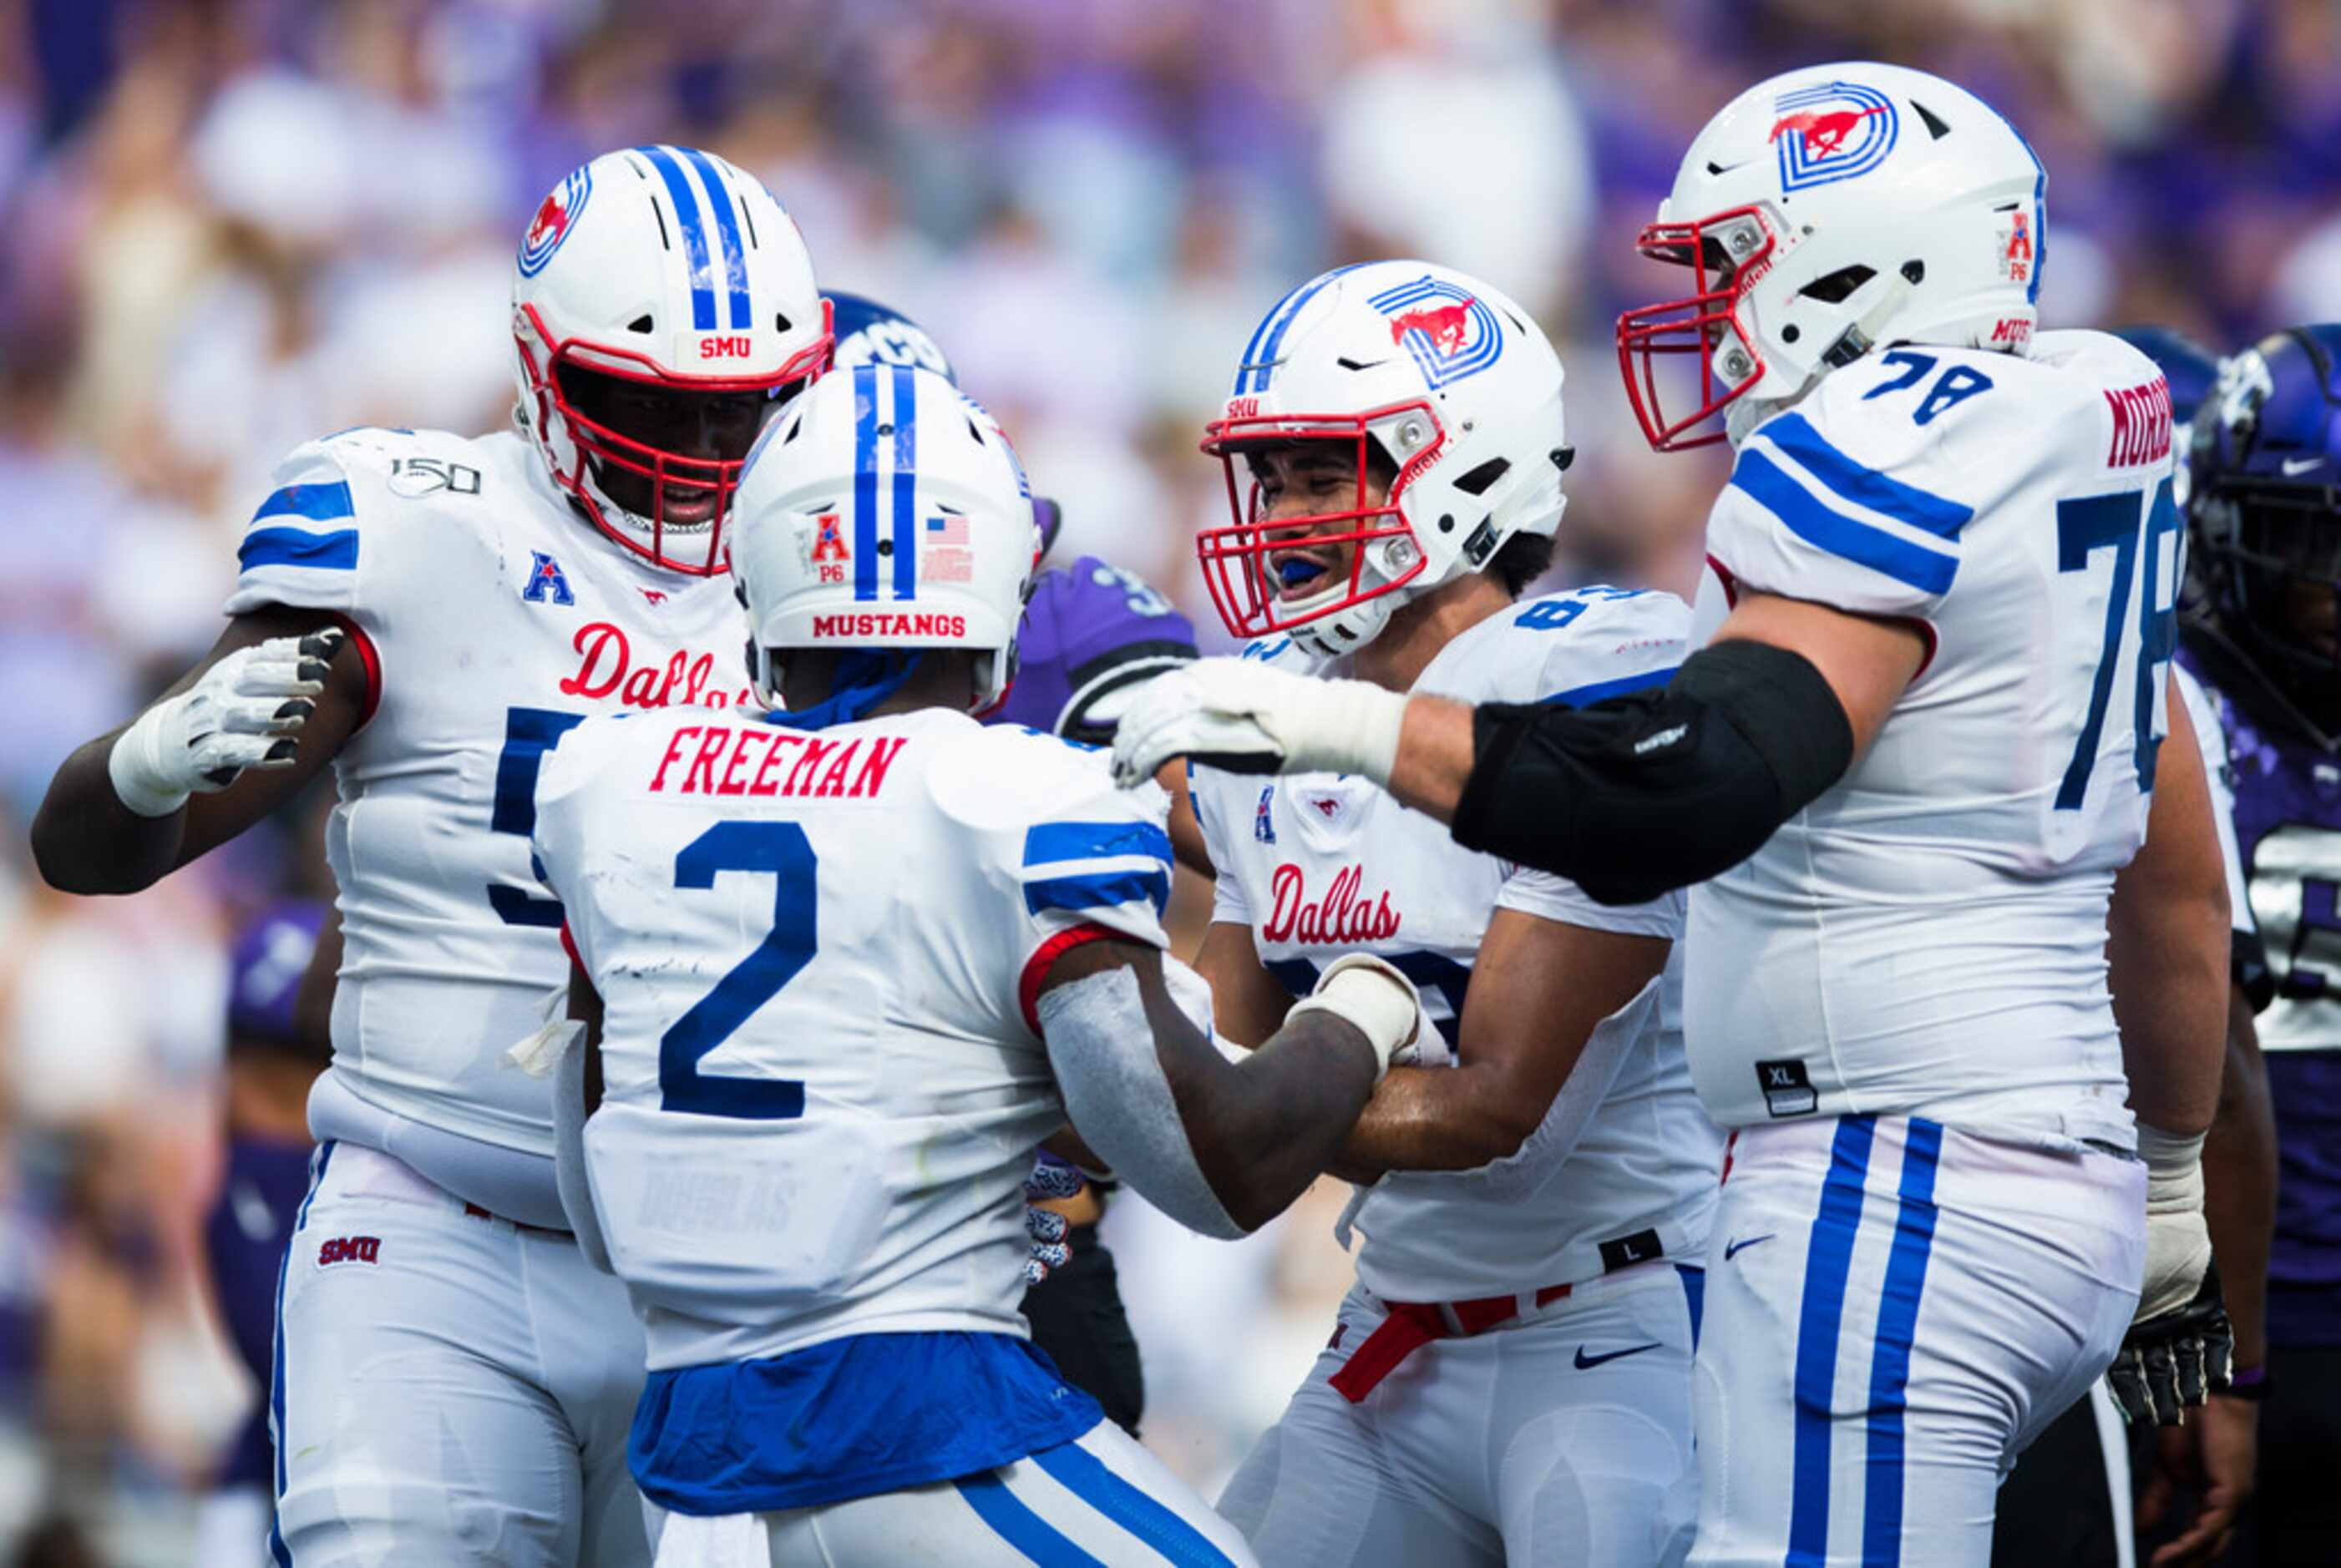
1259	359
905	483
727	225
865	482
694	235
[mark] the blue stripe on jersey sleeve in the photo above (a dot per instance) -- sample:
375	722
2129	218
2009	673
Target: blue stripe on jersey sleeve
1602	690
1099	890
1858	482
1050	842
1769	486
317	502
335	551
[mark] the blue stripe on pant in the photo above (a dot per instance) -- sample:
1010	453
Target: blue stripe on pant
1018	1525
1085	1475
1819	1318
1897	1320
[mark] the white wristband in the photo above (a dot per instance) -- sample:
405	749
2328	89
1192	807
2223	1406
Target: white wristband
1373	997
139	782
1352	727
2173	1170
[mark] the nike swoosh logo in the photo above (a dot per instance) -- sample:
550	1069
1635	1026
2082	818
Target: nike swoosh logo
1586	1362
1731	1250
2296	466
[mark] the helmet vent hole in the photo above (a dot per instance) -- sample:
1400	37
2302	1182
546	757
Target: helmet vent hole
1789	334
779	323
1477	481
641	324
1914	272
660	214
1834	288
1447	522
748	218
1935	125
1347	364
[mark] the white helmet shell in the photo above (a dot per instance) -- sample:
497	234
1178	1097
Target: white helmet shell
1442	375
667	266
1827	211
885	509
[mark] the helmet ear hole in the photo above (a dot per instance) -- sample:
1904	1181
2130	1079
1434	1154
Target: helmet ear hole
642	324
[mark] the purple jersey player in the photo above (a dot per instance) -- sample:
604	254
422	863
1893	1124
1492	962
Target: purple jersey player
2264	637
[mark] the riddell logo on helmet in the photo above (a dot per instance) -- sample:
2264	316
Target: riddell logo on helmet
732	348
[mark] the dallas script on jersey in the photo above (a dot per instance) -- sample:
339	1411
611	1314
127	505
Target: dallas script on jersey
1341	916
606	668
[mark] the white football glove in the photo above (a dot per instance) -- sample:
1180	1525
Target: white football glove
1382	1004
1243	716
242	713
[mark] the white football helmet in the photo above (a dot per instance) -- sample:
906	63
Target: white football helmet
883	509
1822	212
1449	381
663	307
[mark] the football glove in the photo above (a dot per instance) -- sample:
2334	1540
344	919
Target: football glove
2175	1359
245	711
1245	717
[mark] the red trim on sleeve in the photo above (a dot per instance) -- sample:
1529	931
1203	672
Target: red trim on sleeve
1731	583
372	660
1036	968
1925	629
569	946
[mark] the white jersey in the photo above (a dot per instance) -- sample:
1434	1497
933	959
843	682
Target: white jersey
1927	938
1319	865
492	617
818	953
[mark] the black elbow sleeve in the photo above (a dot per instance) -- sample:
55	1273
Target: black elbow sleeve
1631	798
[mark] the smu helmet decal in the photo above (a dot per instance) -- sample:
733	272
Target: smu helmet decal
1451	333
554	217
1832	131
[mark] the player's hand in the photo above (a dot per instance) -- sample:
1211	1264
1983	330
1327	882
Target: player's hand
2175	1360
1374	997
245	711
1246	716
1052	1180
2212	1457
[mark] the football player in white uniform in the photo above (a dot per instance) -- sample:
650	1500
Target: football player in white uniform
839	968
426	613
1539	1209
1916	759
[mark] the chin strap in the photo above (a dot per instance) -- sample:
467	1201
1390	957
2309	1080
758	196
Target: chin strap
865	677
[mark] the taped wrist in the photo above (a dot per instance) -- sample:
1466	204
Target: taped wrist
1635	797
135	767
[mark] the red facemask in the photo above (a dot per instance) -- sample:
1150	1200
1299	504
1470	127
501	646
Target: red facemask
1236	562
697	548
1692	326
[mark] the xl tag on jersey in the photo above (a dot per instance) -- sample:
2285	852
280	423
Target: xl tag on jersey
1787	1091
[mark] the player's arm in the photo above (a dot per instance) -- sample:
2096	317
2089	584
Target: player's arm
2240	1176
1187	841
268	707
1628	798
1538	992
1221	1147
1248	1003
2168	944
2167	952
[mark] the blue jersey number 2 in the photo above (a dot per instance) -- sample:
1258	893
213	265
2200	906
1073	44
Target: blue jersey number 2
782	849
2084	527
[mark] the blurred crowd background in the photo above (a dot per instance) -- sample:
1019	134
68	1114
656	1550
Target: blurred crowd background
228	225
